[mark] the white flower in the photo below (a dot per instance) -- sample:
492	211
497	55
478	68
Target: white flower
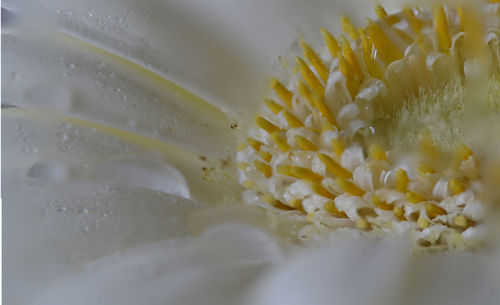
120	120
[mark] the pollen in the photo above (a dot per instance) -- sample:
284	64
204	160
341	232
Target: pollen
366	128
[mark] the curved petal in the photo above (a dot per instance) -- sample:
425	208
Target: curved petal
213	270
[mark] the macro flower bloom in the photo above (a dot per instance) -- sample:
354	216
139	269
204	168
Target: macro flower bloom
134	171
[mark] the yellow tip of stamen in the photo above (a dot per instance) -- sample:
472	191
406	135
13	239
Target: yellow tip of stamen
402	180
461	221
266	125
414	197
362	224
299	173
433	210
324	109
285	94
254	144
305	93
331	42
293	121
380	11
263	168
265	155
399	212
338	147
320	190
414	22
309	77
441	27
273	106
381	204
385	47
371	64
332	208
424	169
280	142
457	186
349	28
333	167
297	204
304	143
315	60
422	222
276	203
377	153
349	187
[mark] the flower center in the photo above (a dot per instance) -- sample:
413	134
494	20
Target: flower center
367	134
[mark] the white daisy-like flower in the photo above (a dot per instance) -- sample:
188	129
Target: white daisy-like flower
140	167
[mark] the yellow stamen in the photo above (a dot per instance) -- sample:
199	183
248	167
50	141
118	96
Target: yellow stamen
457	186
297	204
424	169
285	95
309	77
351	57
414	197
320	190
333	167
299	173
433	210
292	120
441	27
332	208
331	43
399	212
349	187
377	153
386	48
415	23
273	106
306	93
381	204
422	222
265	155
353	84
324	109
263	168
280	142
315	61
371	64
382	14
402	180
349	28
276	203
305	144
461	221
266	125
362	224
254	144
338	147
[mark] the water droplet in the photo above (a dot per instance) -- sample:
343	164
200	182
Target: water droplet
49	170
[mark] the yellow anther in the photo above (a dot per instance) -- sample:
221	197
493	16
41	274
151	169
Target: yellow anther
285	94
381	204
377	153
297	204
460	13
424	169
441	27
338	147
385	47
242	165
325	125
266	125
422	222
399	212
265	155
349	28
324	109
320	190
461	221
305	93
380	11
351	57
463	152
299	173
402	180
433	210
333	167
304	143
273	106
371	64
414	22
362	224
241	146
293	121
457	186
280	142
309	77
349	187
248	184
274	202
353	84
331	43
263	168
414	197
332	208
254	144
315	61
